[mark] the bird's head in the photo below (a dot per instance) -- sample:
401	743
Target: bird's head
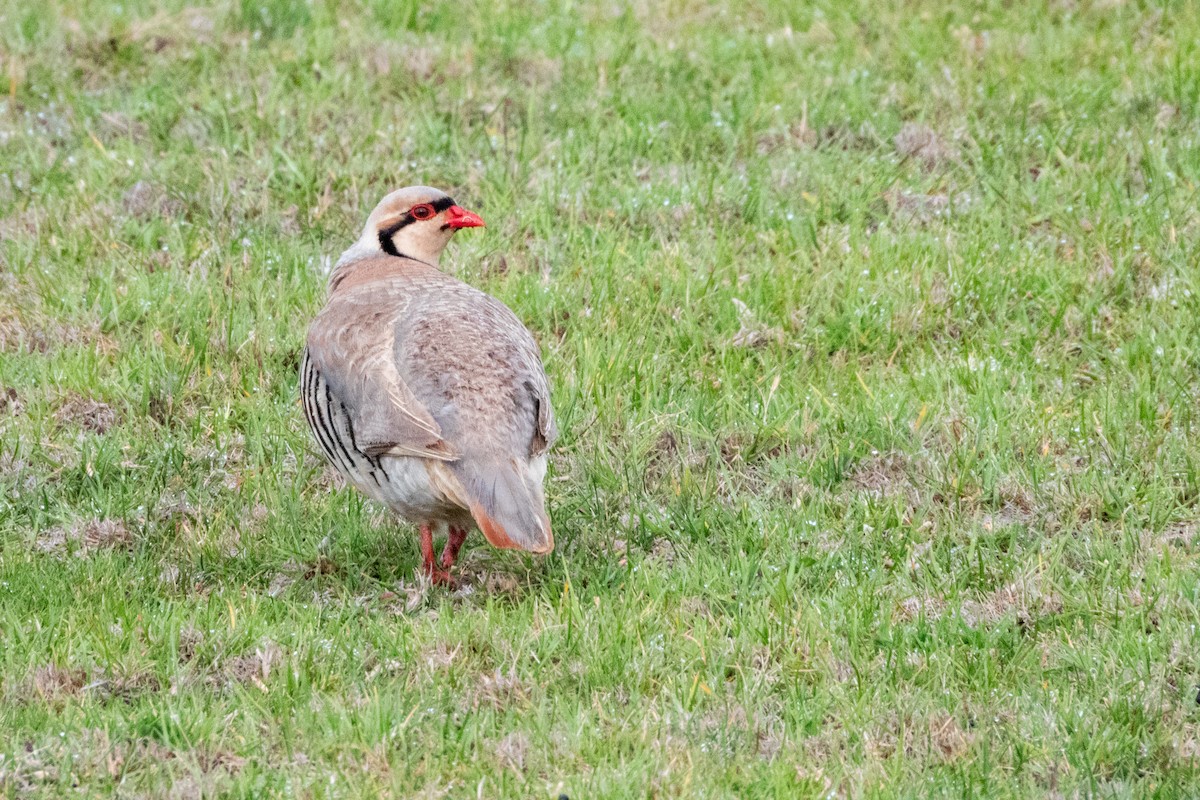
416	222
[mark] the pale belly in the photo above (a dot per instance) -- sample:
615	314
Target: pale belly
404	485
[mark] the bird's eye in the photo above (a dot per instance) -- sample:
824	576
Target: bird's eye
422	211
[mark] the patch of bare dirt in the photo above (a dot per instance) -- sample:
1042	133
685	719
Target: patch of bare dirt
18	471
253	667
846	137
176	507
1180	534
512	750
90	752
10	401
746	448
211	759
1016	507
915	208
534	70
496	582
499	690
26	222
939	737
1025	599
425	62
1187	742
87	413
620	549
912	608
28	331
884	475
184	28
406	596
1005	517
1167	113
105	533
86	535
667	25
663	550
768	744
51	540
190	640
194	128
696	607
1103	267
284	578
670	451
289	224
920	142
752	333
114	125
54	682
145	200
441	656
797	136
665	447
948	738
763	728
390	667
974	43
126	686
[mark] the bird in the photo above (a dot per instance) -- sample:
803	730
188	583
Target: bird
426	394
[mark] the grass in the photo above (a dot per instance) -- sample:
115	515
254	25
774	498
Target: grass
872	328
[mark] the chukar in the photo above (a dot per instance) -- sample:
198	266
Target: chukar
425	393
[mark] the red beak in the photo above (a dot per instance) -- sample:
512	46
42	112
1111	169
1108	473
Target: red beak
458	217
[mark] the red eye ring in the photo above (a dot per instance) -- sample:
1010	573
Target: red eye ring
423	211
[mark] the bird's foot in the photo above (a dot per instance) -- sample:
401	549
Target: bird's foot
439	577
429	564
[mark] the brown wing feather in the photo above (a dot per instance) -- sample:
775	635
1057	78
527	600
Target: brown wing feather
351	343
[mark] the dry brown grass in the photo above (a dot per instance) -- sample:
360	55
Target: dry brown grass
86	536
924	144
886	475
254	668
145	200
937	736
86	413
512	750
499	690
1025	599
752	333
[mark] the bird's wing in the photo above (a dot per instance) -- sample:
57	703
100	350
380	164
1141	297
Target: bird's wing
352	345
486	382
539	389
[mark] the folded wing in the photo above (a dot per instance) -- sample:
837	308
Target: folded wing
354	352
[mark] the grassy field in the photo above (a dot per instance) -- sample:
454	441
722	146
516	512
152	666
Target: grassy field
873	329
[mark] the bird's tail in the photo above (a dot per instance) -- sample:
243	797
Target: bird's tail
505	498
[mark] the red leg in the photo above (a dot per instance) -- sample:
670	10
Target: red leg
453	542
428	564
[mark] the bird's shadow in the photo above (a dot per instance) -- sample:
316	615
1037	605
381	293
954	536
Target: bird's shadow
384	560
